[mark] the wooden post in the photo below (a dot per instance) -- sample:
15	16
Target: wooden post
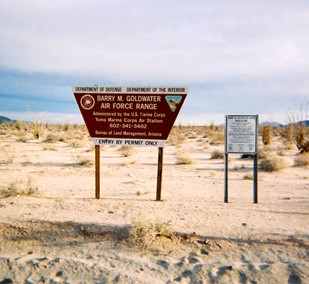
97	171
159	176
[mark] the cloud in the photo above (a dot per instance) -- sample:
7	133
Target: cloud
236	56
155	40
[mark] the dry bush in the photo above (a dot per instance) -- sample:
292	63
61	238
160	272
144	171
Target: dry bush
217	154
266	135
213	174
76	143
143	233
7	155
217	139
36	127
248	176
126	151
51	138
263	153
66	126
177	136
302	160
19	188
273	164
49	149
84	162
22	137
288	132
183	158
300	130
20	125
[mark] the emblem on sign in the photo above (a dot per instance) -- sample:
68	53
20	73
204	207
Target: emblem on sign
173	102
87	102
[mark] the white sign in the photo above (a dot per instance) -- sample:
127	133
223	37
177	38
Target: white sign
241	134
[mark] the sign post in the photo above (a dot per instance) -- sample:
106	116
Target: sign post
241	132
129	116
97	171
159	175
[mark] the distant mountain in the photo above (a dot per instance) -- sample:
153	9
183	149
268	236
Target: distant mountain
4	119
303	122
267	123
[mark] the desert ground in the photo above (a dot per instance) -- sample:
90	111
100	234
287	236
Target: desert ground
53	230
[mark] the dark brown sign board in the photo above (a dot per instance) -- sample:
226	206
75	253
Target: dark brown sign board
129	116
241	132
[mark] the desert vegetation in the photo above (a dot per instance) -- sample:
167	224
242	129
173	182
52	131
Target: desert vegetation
54	207
144	232
273	164
20	187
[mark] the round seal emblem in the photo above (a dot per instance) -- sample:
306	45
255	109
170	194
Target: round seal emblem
87	102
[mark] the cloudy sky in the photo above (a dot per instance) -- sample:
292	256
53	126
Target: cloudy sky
236	57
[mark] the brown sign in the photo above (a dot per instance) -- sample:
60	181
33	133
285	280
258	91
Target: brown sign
129	116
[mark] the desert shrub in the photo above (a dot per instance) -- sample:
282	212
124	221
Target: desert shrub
20	187
143	233
21	137
20	125
213	174
49	149
66	126
85	162
183	158
51	138
302	160
7	155
263	153
300	130
217	154
36	128
217	138
126	151
288	132
266	135
75	143
248	176
273	164
177	136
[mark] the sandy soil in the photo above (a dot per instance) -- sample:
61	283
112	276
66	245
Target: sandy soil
62	234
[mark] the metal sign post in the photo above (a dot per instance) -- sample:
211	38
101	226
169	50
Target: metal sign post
255	178
241	132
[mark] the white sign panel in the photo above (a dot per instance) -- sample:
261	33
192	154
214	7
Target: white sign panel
241	134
